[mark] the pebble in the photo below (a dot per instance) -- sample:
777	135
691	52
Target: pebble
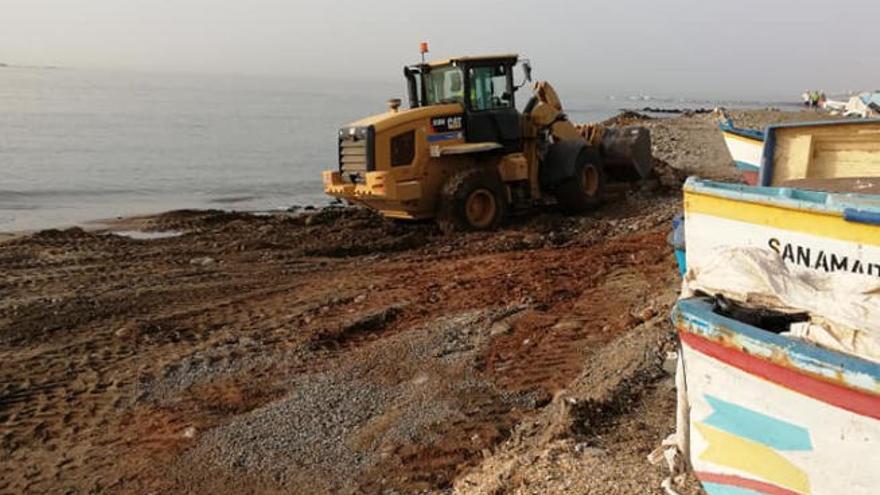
500	328
586	449
670	363
568	325
647	313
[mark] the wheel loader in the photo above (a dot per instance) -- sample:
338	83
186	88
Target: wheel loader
463	154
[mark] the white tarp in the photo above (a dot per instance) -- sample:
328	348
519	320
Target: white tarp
844	312
859	106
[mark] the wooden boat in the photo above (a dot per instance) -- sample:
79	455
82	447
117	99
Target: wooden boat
746	147
773	415
815	231
768	413
839	156
837	149
786	153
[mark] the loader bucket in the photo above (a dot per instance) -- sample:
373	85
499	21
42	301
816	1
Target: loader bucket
626	153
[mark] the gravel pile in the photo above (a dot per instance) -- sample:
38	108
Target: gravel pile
336	426
301	437
228	357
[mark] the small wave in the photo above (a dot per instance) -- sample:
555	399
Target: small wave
69	193
234	199
18	206
147	236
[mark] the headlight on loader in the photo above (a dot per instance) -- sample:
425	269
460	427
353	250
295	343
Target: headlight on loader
356	133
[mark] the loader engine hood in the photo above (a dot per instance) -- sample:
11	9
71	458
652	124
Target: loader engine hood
389	120
390	139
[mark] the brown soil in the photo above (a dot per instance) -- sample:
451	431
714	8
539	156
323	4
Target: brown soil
340	352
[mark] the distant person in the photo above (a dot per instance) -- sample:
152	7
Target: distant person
814	99
805	97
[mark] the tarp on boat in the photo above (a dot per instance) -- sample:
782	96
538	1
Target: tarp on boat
844	313
864	105
872	100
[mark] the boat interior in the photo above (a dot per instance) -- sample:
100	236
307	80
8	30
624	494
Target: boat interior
838	157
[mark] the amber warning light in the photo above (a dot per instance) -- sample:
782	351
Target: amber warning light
423	49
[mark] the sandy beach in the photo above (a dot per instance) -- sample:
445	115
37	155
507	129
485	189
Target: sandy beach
336	351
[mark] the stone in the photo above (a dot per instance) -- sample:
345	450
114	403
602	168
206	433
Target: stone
670	363
647	313
500	328
584	448
567	325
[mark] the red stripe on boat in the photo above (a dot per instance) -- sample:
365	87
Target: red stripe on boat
739	482
852	400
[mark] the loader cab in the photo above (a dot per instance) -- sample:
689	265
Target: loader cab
484	86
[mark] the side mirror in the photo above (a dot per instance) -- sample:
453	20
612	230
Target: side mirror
527	73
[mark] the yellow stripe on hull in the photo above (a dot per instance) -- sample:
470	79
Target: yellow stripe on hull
731	451
737	137
784	218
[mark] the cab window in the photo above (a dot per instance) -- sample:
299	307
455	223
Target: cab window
445	85
490	88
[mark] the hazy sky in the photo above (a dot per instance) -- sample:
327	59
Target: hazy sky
729	48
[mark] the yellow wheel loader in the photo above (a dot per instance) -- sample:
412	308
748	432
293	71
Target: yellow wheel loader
464	155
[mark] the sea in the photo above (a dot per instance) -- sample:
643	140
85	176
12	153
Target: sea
78	146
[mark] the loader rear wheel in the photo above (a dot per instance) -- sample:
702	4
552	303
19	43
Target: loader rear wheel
582	192
480	208
472	199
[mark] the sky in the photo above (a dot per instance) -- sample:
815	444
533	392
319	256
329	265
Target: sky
712	48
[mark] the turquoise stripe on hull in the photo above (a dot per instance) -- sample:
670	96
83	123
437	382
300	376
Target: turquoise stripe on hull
716	489
742	422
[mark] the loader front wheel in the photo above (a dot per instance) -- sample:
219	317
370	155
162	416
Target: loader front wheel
582	192
472	199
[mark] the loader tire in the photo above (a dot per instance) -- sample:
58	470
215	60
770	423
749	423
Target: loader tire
472	199
582	192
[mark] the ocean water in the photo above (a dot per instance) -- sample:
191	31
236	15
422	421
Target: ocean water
82	145
78	145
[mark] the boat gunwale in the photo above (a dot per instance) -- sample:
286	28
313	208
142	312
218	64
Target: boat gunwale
727	127
695	316
790	198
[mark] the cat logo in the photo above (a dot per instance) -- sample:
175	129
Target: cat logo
447	123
